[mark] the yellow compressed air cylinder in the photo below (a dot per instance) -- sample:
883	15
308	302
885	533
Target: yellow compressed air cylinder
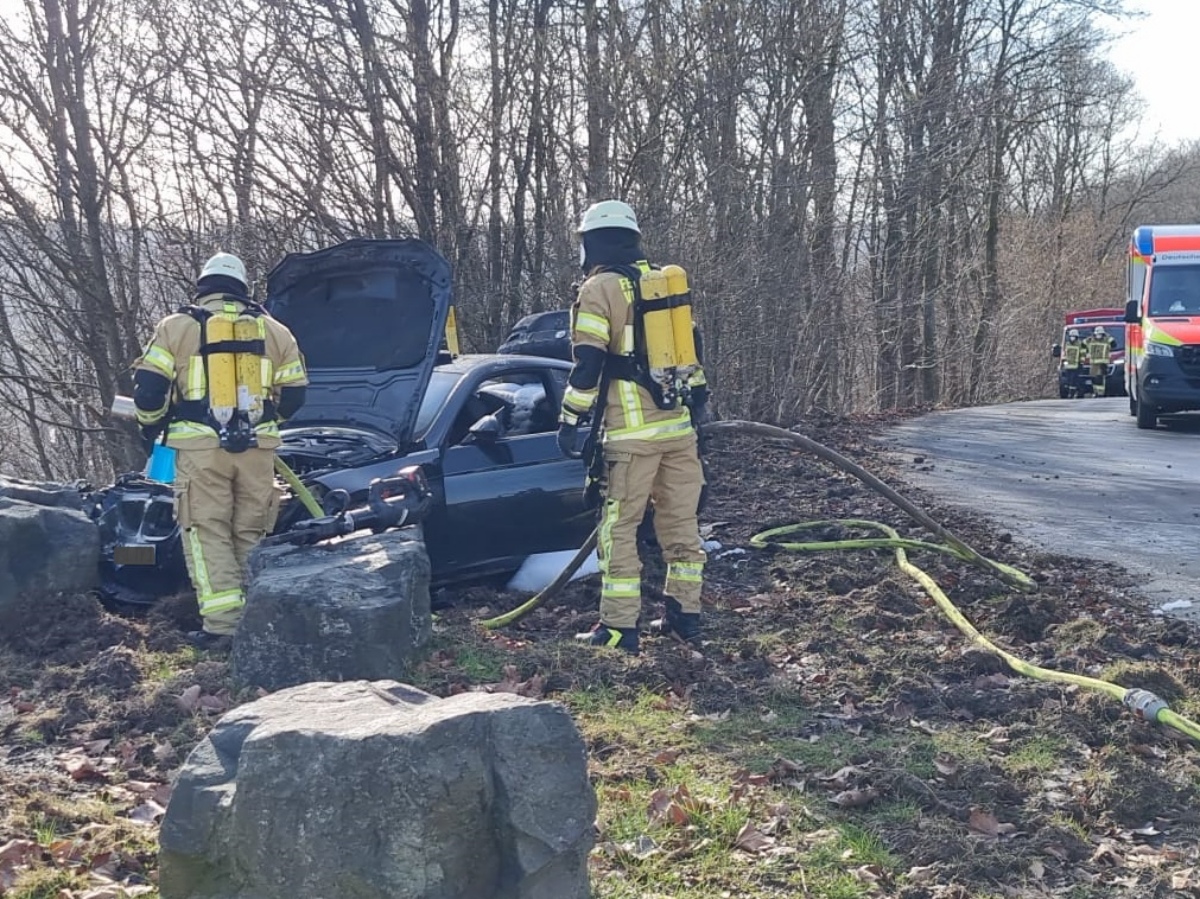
681	316
660	338
249	367
222	371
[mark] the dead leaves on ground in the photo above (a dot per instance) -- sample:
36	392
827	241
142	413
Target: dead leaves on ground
105	869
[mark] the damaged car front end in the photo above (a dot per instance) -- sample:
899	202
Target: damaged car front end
383	395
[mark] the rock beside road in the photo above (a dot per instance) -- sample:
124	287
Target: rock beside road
42	493
378	790
358	609
45	549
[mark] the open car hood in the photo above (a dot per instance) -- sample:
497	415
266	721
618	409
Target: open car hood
369	316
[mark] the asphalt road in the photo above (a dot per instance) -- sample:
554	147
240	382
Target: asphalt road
1074	477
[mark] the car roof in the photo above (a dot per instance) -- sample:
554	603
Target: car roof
473	361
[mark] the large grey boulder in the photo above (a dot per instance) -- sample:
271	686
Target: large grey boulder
42	493
353	610
379	791
44	549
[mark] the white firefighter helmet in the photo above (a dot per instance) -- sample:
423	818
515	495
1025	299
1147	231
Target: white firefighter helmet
1073	334
608	214
225	264
1099	331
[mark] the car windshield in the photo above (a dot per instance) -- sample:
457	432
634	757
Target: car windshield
1175	290
440	385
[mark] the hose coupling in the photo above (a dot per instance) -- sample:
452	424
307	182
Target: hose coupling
1144	704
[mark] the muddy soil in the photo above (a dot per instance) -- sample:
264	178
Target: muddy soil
1012	786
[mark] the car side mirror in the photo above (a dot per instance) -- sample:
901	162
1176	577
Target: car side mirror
1056	351
487	430
1132	313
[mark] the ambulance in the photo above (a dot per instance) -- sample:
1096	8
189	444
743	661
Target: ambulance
1162	311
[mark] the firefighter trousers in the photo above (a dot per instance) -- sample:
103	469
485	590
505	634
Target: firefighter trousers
1099	373
224	503
668	472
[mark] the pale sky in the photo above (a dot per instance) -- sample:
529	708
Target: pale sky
1160	52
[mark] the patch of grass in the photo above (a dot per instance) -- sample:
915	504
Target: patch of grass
851	846
160	667
961	745
1145	675
1063	821
481	663
900	811
1033	755
44	883
46	829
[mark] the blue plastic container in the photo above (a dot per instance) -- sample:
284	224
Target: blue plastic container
161	464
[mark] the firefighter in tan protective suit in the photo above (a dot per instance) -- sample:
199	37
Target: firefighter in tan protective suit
633	342
1099	349
218	376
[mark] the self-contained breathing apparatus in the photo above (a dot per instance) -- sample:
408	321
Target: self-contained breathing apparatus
664	346
231	393
664	357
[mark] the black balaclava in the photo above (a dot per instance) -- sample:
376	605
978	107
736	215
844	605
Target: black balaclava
611	246
211	284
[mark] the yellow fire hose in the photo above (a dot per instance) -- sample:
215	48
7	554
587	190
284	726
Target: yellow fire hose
303	493
1143	703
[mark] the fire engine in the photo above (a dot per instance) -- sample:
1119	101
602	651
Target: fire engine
1075	381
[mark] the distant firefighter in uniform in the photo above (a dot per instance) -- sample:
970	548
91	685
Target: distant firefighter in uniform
1073	355
635	359
219	375
1099	351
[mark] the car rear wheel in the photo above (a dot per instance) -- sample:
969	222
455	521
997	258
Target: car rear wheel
1063	393
1147	417
1133	405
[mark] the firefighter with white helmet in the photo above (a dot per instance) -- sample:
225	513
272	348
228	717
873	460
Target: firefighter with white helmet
1099	351
1074	357
214	381
636	361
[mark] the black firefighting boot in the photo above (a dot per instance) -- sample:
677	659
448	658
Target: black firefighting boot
683	626
622	638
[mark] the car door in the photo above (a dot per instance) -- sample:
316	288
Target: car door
515	495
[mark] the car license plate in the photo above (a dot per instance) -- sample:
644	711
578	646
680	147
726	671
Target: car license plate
134	555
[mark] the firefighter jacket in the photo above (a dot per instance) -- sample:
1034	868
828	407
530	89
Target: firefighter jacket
174	352
1073	354
604	318
1099	349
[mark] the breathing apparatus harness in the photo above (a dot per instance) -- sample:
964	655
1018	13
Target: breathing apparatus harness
232	351
664	348
663	359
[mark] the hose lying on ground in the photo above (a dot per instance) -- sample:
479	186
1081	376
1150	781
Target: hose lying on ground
1143	703
550	590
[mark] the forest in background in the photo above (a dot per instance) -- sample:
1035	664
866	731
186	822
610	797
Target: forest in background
881	205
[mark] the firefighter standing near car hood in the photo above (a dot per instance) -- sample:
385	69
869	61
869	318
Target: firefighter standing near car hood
1099	351
217	377
631	332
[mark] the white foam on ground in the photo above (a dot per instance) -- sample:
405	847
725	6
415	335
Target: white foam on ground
1173	606
537	571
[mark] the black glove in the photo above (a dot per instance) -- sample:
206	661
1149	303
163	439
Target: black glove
150	434
567	439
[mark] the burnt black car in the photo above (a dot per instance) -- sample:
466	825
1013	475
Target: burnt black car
369	316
